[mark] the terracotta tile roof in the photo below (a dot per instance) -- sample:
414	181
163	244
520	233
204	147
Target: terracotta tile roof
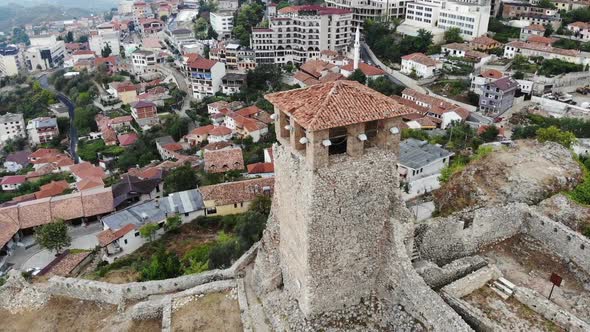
83	52
90	183
67	264
458	46
220	131
336	104
8	227
329	52
219	104
330	77
53	188
237	192
261	168
13	179
142	104
426	122
476	54
173	147
581	25
249	111
492	73
305	78
541	40
44	170
204	130
217	146
535	27
484	40
543	48
106	237
127	139
436	105
315	67
421	58
201	63
219	161
43	152
86	170
367	69
126	87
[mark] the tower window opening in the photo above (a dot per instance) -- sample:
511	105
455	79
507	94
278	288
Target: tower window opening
338	138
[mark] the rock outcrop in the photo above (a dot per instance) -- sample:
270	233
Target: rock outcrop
525	173
562	209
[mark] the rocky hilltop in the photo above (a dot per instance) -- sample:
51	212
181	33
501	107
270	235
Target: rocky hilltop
527	172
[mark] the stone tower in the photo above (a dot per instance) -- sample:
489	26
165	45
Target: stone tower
335	189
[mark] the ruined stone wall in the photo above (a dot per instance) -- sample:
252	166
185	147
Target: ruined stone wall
437	277
472	281
560	239
443	240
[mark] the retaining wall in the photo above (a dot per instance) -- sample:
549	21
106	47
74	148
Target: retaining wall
437	277
472	315
472	281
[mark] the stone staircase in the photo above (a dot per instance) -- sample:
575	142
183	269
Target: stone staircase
503	287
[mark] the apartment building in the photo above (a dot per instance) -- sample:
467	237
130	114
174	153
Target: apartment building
420	64
10	60
236	57
471	17
42	130
532	30
497	96
150	26
222	22
105	34
232	83
299	33
45	52
144	61
179	37
145	114
531	13
11	126
581	30
529	49
205	76
363	10
228	5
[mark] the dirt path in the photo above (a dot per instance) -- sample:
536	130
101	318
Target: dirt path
216	312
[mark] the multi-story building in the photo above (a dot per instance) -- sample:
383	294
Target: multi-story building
125	7
529	49
144	61
150	26
299	33
205	76
179	37
532	30
11	126
228	5
236	57
363	10
222	22
10	60
420	64
104	35
145	114
497	96
42	130
141	10
44	53
581	30
531	13
232	83
470	16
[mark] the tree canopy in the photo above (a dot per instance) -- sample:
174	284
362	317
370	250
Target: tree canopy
249	16
180	179
53	236
555	134
453	35
358	76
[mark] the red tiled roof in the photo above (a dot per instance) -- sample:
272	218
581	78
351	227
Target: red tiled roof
484	40
436	105
541	40
53	188
43	152
219	161
204	130
202	63
261	168
367	69
421	58
336	104
83	52
536	27
220	131
86	170
107	236
492	73
173	147
89	183
125	88
127	139
248	111
237	192
13	179
217	145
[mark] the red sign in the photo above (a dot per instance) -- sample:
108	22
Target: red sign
555	279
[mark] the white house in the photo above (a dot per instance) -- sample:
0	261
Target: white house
12	182
11	126
222	22
420	64
220	134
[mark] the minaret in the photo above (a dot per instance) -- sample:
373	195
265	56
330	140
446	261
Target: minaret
357	48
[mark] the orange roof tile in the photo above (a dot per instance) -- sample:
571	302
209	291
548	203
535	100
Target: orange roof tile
204	130
261	168
237	192
220	131
367	69
53	188
492	73
421	58
219	161
336	104
86	170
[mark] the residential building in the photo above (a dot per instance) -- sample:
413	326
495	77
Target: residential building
131	189
43	157
145	114
532	30
197	135
299	33
420	165
420	65
121	229
229	5
523	9
581	30
222	22
11	126
179	37
219	134
498	96
221	161
363	10
144	61
16	161
245	123
104	35
87	175
438	110
150	26
10	60
234	56
478	82
232	83
217	106
125	7
141	10
45	52
471	17
529	49
316	71
234	197
466	50
167	147
12	182
484	43
205	76
42	130
126	92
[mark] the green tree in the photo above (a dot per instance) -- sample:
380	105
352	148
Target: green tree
489	134
180	179
453	35
173	223
84	120
176	126
20	36
223	252
261	204
548	29
248	17
69	37
358	76
106	51
546	4
385	86
162	265
148	231
555	134
518	75
53	236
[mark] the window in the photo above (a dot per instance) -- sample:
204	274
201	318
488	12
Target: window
338	138
125	241
136	234
211	211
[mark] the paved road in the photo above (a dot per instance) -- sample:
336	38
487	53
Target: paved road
182	84
71	107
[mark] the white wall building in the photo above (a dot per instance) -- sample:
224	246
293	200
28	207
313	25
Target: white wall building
11	126
144	61
222	22
299	33
45	52
370	9
420	64
42	130
10	60
420	159
103	36
205	76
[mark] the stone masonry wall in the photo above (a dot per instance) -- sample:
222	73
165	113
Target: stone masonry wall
443	240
